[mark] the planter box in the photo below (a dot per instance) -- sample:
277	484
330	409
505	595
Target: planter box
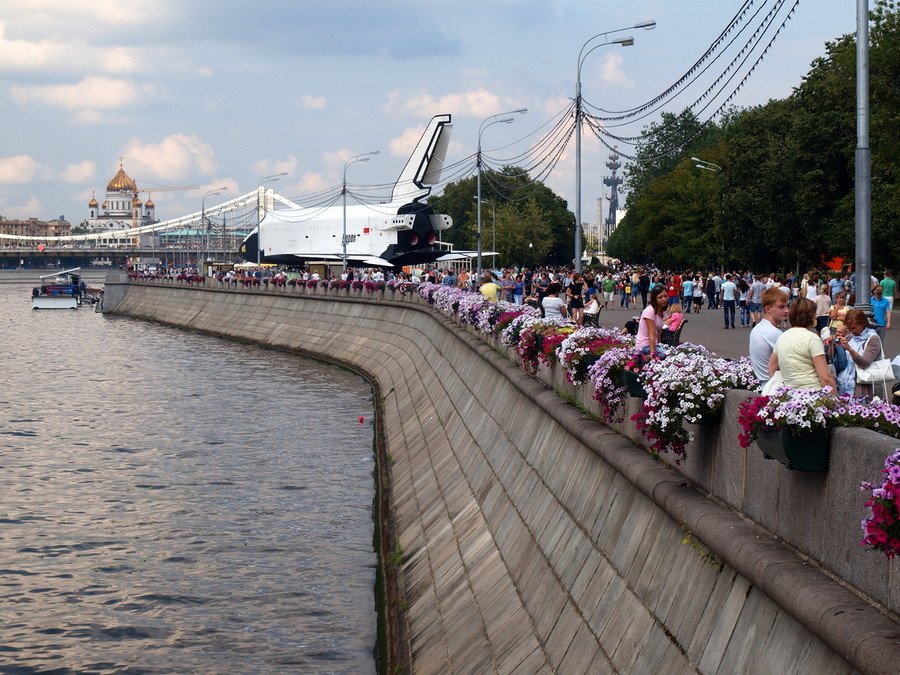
633	385
805	451
710	419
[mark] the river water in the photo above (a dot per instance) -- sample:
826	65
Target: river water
172	502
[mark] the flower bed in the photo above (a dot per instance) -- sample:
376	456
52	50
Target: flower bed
686	386
881	527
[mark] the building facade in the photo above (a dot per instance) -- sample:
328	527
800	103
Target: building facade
32	227
121	209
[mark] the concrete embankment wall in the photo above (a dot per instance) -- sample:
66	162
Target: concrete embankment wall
534	538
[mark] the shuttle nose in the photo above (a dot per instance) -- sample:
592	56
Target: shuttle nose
431	238
413	239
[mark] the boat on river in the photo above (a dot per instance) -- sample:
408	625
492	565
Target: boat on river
60	290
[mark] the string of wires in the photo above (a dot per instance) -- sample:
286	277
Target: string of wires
667	133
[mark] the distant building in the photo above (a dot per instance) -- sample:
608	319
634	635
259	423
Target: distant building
121	209
32	227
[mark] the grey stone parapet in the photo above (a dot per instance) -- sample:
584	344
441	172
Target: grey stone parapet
534	538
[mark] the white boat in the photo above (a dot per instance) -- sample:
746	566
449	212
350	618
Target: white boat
61	290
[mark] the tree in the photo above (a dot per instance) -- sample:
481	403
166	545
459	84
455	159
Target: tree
527	212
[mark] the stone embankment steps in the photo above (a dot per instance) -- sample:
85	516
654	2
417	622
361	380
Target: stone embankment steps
532	538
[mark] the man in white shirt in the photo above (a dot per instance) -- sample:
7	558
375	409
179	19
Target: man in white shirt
729	295
766	333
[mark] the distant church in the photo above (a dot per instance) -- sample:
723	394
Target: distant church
122	207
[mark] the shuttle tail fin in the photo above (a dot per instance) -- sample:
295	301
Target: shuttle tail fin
426	162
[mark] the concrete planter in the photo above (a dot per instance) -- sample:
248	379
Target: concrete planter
633	384
808	451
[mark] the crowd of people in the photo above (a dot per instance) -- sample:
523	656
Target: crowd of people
804	329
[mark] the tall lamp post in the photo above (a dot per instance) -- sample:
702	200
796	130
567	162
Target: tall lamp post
863	192
579	113
493	223
353	160
260	207
499	118
209	193
718	170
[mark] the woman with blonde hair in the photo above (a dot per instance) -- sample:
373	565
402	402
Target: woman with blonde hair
799	353
838	311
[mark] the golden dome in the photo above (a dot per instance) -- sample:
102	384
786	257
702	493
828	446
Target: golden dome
93	203
149	203
135	202
121	182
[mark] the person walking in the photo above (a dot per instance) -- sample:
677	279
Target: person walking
880	311
729	295
888	286
823	307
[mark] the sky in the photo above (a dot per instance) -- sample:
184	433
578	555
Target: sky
208	94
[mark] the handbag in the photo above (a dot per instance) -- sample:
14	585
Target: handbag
773	383
878	371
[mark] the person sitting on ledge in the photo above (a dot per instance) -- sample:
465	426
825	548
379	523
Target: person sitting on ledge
799	353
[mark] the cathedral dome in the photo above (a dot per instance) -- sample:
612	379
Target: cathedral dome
121	182
135	202
93	203
149	203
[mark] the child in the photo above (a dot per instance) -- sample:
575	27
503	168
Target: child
674	317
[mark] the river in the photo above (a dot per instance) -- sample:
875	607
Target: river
173	502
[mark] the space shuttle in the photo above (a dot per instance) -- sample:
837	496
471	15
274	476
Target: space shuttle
402	231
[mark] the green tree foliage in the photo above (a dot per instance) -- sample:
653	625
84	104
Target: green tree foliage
787	179
527	213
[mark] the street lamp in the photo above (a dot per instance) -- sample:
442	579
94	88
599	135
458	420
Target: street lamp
209	193
862	262
718	170
493	223
582	55
488	121
259	211
353	160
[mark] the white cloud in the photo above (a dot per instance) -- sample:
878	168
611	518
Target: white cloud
17	170
59	15
405	143
311	182
336	158
173	158
476	103
312	102
268	167
611	71
30	208
80	172
92	93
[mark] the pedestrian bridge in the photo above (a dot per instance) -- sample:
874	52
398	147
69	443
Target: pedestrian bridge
522	535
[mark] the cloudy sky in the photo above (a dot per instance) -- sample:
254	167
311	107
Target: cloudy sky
197	92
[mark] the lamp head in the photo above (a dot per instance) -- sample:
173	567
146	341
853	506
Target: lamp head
625	42
647	25
520	111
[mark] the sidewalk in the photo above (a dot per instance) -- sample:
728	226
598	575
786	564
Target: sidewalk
706	328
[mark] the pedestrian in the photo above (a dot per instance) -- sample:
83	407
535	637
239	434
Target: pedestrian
698	294
575	296
823	307
729	295
888	286
743	290
553	306
880	311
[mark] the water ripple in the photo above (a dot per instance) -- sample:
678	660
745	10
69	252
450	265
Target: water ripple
178	503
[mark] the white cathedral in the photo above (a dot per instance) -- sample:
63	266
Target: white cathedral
121	209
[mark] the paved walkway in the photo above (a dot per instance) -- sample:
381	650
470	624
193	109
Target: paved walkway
706	328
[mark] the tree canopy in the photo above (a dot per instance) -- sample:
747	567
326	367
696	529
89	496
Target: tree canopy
785	193
534	225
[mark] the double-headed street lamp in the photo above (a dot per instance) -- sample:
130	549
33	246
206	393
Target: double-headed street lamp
209	193
582	55
353	160
499	118
260	207
718	170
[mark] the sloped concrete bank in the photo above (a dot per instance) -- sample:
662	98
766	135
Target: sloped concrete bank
533	538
